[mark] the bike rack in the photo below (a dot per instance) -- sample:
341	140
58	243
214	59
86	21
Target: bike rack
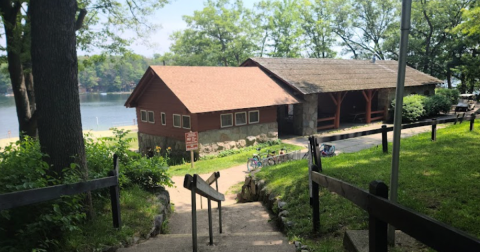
198	186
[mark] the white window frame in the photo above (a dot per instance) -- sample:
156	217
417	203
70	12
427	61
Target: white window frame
246	119
253	111
163	118
226	126
146	116
189	122
173	123
153	116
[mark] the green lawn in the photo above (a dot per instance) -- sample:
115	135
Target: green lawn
439	179
216	164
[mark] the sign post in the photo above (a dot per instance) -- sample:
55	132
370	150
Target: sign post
191	143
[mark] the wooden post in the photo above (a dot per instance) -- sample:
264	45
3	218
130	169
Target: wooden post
472	121
315	203
210	232
434	129
191	158
368	105
194	217
377	229
384	139
115	195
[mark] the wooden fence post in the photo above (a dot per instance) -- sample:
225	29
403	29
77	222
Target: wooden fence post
434	129
384	139
315	203
377	229
472	121
115	195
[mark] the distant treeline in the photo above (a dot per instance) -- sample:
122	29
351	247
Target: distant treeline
100	73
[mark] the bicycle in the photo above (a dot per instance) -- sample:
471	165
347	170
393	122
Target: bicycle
269	158
254	162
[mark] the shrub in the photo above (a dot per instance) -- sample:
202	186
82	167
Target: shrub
436	104
412	108
35	227
451	94
146	172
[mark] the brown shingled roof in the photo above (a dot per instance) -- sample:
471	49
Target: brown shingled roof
207	89
333	75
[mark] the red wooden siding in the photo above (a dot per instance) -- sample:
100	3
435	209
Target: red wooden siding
158	98
210	121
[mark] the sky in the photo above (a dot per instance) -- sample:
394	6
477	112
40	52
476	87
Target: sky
170	18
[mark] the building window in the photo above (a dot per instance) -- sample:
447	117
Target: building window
164	119
253	116
143	115
151	118
241	118
186	122
226	120
176	121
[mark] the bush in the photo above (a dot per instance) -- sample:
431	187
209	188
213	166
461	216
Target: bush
451	94
413	108
40	227
436	104
35	227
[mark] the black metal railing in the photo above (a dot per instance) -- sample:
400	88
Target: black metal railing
198	186
28	197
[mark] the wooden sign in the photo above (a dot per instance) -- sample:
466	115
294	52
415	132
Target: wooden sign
191	140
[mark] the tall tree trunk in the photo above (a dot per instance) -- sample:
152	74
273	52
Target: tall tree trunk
55	67
14	43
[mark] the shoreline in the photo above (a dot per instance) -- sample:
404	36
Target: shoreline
93	133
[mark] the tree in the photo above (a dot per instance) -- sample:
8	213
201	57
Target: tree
433	48
219	34
317	28
364	26
55	67
283	28
118	16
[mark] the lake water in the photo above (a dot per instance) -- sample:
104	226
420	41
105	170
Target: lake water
99	112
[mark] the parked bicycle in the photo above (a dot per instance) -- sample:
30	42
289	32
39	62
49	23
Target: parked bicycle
254	162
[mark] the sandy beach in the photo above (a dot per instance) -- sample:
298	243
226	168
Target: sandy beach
95	134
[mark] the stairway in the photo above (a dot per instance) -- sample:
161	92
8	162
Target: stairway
246	227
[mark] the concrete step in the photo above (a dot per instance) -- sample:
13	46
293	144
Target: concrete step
253	242
238	218
246	227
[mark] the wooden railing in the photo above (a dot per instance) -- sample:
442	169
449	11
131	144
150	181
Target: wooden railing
28	197
378	117
198	186
382	212
384	129
430	232
326	119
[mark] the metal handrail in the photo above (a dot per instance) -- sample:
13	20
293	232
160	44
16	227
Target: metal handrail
198	186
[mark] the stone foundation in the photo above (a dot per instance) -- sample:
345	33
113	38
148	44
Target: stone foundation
214	141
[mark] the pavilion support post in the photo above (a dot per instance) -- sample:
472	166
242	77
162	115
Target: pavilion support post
368	106
337	113
337	100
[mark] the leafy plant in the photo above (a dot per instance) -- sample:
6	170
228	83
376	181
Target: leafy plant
451	94
413	108
436	104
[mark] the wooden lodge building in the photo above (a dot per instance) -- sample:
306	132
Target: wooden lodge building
338	90
230	107
233	107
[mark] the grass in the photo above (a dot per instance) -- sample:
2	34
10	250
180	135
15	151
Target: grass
439	179
138	210
216	164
